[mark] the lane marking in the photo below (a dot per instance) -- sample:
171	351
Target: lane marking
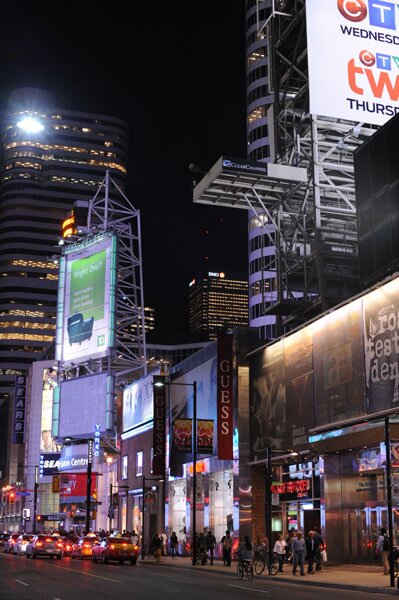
90	575
21	582
242	587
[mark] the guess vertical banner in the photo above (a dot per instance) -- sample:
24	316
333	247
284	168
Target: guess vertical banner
159	431
225	396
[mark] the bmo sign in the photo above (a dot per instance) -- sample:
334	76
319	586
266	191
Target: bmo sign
353	55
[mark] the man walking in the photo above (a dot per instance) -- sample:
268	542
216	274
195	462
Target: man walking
210	542
298	553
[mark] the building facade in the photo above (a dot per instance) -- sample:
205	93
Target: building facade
218	301
50	158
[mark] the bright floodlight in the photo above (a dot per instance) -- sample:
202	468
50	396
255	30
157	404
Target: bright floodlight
30	125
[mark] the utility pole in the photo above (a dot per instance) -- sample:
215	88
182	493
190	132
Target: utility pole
35	488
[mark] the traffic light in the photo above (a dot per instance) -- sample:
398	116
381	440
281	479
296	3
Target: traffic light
11	497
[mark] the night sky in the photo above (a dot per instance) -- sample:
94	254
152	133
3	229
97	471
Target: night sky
176	73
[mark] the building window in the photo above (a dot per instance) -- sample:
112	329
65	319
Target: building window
139	463
124	467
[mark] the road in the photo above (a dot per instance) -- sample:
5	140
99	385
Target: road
47	579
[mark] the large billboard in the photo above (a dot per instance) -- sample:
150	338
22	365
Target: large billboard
353	59
342	366
86	406
86	300
138	403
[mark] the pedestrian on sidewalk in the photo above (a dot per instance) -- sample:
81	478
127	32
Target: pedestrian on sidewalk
173	545
311	550
164	540
319	543
227	542
279	550
210	542
382	548
298	553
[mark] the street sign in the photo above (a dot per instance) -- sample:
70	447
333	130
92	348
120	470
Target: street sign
275	499
23	493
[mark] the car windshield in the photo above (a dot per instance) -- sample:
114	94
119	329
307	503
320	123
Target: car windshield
27	537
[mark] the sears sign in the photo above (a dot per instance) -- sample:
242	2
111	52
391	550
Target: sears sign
353	55
49	464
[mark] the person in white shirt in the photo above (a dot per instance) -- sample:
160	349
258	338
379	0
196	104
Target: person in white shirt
382	548
279	550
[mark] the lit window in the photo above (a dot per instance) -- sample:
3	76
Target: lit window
139	463
124	467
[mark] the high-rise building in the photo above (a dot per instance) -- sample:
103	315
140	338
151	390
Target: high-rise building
218	301
51	157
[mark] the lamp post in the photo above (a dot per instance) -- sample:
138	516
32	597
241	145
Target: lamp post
194	452
88	486
35	488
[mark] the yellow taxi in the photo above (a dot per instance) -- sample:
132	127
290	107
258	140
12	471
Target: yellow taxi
115	548
83	548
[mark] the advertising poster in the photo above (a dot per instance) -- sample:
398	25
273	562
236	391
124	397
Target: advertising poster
138	403
338	355
353	59
182	439
74	486
298	360
205	436
381	339
86	302
268	402
181	403
47	442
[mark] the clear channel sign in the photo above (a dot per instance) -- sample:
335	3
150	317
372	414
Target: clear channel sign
353	56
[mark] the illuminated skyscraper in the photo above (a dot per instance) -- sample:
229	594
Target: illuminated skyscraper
48	162
218	301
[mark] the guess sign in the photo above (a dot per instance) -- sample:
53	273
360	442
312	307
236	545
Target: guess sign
225	396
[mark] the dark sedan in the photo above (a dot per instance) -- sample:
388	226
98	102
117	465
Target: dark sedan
45	545
115	548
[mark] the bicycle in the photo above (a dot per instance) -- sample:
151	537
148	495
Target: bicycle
245	567
263	560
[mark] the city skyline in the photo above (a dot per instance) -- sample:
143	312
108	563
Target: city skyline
181	91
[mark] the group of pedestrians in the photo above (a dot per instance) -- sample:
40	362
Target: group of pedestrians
310	547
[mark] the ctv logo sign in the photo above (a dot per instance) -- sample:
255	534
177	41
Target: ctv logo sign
377	82
380	13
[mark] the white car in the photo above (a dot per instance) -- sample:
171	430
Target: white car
20	545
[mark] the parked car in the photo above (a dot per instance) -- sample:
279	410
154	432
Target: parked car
10	542
83	548
20	545
44	545
3	538
115	548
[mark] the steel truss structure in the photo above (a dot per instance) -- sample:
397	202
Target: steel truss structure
316	235
111	210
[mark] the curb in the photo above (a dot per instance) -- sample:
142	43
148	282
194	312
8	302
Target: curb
302	581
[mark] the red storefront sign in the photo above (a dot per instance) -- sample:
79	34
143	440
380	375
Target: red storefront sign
225	396
75	484
159	431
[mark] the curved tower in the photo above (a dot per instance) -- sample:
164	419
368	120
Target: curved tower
51	157
262	255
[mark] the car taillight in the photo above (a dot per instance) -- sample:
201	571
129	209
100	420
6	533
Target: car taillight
49	540
112	547
59	545
135	547
67	547
39	544
86	546
124	545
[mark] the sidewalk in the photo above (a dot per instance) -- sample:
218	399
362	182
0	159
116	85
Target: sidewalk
366	578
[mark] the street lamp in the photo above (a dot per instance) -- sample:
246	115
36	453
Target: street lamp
194	447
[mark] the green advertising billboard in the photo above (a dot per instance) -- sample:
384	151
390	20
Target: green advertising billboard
86	300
